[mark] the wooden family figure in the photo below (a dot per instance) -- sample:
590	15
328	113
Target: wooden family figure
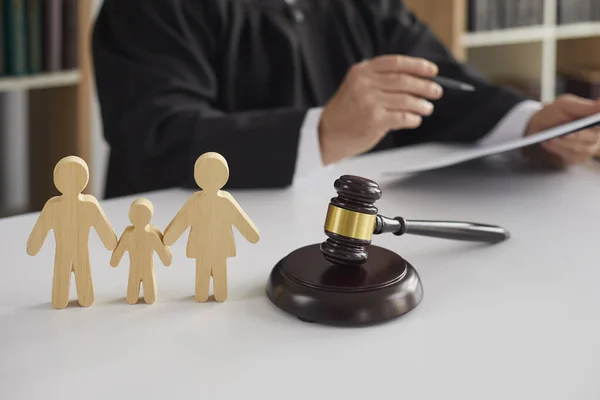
209	214
141	240
71	215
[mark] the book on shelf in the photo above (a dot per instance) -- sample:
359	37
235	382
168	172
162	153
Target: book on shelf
596	10
52	35
38	36
564	13
70	37
34	35
485	15
15	46
575	11
478	15
2	25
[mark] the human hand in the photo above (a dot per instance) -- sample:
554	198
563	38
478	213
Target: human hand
570	149
377	96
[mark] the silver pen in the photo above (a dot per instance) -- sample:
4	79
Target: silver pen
453	84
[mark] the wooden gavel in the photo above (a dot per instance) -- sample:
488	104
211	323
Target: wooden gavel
352	220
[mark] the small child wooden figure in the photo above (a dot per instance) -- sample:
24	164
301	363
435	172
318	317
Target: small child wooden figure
141	240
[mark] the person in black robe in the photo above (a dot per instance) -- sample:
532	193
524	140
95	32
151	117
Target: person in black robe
281	86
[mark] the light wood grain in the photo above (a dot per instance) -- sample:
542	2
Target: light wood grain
446	18
141	240
40	81
60	117
71	215
210	214
52	136
578	54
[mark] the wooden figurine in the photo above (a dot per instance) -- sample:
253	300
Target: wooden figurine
71	215
141	240
210	214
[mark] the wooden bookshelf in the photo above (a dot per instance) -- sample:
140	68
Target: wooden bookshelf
549	47
537	54
530	34
40	81
577	31
59	107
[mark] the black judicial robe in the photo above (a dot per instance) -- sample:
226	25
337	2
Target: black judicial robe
177	78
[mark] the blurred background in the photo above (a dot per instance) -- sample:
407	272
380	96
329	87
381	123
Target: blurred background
48	106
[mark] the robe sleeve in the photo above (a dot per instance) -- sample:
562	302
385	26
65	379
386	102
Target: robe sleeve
457	116
156	70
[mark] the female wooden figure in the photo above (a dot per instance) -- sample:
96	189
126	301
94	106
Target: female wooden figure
210	214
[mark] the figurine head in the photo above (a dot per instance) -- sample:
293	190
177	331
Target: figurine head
140	212
71	175
211	171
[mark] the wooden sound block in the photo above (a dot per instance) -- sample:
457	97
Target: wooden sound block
313	289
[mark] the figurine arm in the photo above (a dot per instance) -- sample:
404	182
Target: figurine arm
102	225
40	230
122	247
178	225
242	222
164	252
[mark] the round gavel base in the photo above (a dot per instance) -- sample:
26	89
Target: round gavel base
313	289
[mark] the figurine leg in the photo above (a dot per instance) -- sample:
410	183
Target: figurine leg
61	282
133	288
149	283
219	273
202	280
83	281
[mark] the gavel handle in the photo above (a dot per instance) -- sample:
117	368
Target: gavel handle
455	230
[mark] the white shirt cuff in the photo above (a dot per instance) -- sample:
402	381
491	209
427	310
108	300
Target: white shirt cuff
308	161
309	158
513	125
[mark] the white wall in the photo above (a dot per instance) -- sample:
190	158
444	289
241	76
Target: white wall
14	152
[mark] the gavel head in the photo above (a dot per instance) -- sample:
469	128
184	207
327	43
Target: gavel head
350	221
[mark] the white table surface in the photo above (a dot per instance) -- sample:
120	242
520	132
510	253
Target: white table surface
519	320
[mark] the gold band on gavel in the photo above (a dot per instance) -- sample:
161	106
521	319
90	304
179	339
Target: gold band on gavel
350	223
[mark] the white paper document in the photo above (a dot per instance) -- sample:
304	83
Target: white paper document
430	156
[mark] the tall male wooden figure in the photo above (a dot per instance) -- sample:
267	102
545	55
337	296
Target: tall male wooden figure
210	214
141	240
71	215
